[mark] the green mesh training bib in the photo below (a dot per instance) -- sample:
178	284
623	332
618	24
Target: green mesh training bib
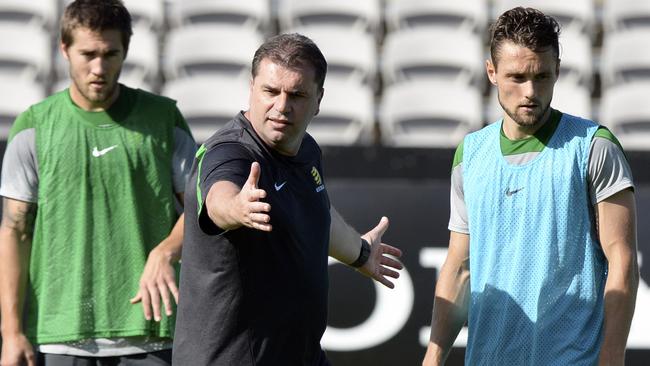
105	199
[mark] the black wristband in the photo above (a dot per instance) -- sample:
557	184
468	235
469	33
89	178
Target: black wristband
364	254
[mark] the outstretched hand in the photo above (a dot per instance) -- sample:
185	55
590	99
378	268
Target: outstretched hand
379	264
250	211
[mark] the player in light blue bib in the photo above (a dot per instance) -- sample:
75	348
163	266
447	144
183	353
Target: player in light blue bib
542	257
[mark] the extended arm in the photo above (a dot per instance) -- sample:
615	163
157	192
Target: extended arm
230	207
345	246
617	234
451	301
16	232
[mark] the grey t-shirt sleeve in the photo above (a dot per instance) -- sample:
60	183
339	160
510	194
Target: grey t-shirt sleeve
20	168
458	221
609	171
184	150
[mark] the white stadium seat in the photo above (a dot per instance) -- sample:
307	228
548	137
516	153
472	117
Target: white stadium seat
25	52
346	115
621	15
141	66
37	13
576	59
149	14
437	54
208	102
250	14
17	96
626	111
625	57
350	55
209	49
358	15
429	114
573	16
572	99
469	15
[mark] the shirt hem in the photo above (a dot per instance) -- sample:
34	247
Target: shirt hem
458	229
18	197
610	191
104	334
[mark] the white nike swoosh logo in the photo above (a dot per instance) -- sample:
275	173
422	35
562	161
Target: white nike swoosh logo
98	153
279	186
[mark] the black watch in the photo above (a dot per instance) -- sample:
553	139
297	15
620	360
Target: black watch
364	254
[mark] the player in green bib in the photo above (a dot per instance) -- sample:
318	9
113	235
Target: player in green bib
89	227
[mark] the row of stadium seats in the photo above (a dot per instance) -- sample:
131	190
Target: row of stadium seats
405	55
369	15
378	52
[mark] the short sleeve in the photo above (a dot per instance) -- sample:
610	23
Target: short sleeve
224	162
609	171
20	168
458	220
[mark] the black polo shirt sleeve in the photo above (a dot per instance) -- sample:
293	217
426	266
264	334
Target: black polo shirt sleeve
230	162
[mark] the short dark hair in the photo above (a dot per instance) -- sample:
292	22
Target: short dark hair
96	15
292	51
526	27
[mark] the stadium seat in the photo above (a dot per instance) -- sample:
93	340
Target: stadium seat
350	55
346	115
576	59
209	49
17	96
149	14
141	65
429	114
250	14
621	15
359	15
438	54
625	57
575	16
469	15
25	52
626	111
37	13
208	102
572	99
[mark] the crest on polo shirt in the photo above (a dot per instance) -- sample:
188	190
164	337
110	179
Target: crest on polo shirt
317	179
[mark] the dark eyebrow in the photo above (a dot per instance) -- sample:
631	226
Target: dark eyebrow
111	51
269	87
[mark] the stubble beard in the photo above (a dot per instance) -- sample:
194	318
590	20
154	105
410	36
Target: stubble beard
526	120
94	97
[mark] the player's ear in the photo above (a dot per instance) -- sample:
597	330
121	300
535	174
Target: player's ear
321	92
491	71
64	50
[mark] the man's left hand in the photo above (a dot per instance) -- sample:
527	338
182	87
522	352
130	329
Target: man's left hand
158	282
379	264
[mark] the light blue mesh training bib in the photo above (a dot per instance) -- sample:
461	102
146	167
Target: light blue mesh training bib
537	270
